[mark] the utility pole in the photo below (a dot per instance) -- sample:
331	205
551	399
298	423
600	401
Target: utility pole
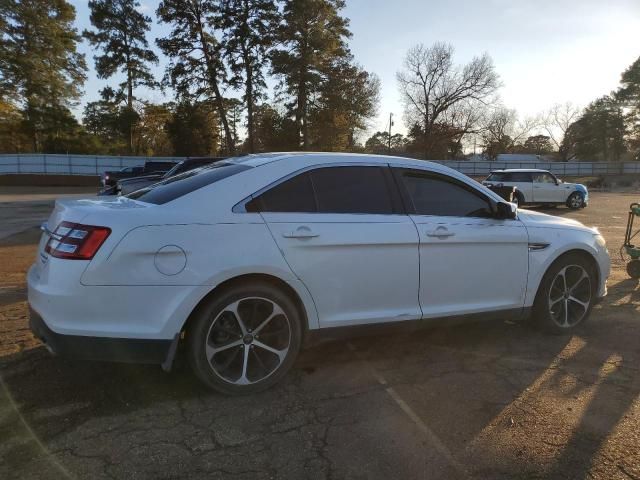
390	125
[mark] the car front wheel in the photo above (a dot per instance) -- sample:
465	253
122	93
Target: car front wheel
566	294
575	201
244	340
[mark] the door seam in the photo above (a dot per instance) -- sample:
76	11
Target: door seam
315	306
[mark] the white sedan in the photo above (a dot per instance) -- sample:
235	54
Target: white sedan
240	260
540	187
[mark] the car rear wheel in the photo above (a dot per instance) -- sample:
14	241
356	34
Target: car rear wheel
575	201
244	340
566	294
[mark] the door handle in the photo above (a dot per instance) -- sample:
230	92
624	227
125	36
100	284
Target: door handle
300	232
440	232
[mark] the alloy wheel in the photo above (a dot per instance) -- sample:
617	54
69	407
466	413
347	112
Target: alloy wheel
248	340
570	296
575	201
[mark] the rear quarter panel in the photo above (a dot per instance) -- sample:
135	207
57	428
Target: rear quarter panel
196	255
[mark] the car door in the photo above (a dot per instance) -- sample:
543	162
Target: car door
545	188
470	262
342	231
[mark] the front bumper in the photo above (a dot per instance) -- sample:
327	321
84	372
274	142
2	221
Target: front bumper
128	350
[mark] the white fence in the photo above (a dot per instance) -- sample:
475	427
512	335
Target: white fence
71	164
562	169
97	164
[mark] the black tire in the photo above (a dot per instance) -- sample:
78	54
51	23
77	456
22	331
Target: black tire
216	318
575	201
551	302
633	268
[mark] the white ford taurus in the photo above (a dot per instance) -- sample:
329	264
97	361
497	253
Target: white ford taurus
240	260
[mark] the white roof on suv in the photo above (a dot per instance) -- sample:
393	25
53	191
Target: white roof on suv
526	170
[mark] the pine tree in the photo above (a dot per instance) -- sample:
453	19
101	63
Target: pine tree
347	99
312	36
599	134
120	31
196	68
249	34
40	67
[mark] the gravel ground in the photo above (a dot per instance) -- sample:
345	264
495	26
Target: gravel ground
484	400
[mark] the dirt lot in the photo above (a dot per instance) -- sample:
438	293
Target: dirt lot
488	400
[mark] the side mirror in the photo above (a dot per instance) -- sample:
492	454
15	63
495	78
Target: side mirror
506	211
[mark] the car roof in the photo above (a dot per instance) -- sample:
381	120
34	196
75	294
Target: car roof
524	170
328	158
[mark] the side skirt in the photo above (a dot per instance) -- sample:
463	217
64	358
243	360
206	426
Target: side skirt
390	328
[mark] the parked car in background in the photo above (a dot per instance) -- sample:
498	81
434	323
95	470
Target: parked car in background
240	259
128	185
539	187
110	178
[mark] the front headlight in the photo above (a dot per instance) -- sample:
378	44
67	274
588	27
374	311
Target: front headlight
600	240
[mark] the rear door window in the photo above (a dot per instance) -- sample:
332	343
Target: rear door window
352	190
340	189
294	195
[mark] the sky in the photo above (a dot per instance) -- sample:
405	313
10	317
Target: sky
545	51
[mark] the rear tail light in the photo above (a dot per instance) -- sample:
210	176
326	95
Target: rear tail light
75	241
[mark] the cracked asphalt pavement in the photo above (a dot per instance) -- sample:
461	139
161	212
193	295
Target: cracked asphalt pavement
483	400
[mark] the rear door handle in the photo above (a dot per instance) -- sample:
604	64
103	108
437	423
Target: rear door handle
300	232
440	232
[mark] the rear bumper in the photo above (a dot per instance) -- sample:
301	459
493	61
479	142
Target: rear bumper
128	350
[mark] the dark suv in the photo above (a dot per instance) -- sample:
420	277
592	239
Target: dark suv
110	178
129	185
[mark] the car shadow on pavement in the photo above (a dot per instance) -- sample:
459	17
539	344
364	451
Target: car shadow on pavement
603	441
487	393
334	385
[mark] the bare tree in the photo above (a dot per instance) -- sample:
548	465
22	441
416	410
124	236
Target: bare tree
466	120
556	122
502	130
431	85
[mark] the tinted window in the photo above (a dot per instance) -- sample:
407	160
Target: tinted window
351	190
187	182
436	196
519	177
329	190
293	195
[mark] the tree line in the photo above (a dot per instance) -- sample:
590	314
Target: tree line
267	75
322	100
